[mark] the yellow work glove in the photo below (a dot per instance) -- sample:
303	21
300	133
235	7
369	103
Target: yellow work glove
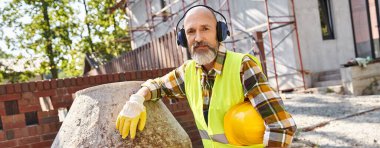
132	115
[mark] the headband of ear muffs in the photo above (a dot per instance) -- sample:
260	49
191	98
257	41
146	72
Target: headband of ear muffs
221	28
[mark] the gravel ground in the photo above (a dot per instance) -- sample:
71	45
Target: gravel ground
351	121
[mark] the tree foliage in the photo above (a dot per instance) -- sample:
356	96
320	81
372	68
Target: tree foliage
55	33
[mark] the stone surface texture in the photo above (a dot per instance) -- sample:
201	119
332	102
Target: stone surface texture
91	121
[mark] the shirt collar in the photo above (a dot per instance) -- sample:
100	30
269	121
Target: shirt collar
220	58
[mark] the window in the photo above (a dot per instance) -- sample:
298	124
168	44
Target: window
31	118
326	19
365	22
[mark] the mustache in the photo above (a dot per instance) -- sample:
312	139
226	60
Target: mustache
197	44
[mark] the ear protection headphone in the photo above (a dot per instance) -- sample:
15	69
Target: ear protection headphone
221	28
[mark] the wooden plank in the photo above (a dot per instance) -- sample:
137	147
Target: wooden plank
157	54
167	53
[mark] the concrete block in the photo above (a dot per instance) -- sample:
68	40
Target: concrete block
358	80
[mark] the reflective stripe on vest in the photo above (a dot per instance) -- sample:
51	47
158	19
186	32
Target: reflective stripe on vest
221	100
221	138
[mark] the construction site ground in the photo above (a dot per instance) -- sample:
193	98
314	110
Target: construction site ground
334	120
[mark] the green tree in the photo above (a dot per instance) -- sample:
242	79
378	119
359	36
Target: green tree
52	31
48	32
107	37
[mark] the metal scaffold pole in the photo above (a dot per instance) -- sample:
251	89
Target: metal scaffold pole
269	23
272	48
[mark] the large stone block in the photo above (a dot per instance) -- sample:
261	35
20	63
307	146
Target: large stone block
358	80
91	121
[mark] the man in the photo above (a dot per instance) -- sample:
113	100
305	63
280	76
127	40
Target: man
215	78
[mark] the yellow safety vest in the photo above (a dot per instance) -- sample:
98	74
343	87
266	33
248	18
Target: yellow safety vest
227	92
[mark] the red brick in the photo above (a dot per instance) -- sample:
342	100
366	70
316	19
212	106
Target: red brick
30	108
194	134
197	143
62	104
9	97
45	93
43	144
60	83
179	113
133	75
61	91
2	136
54	127
46	120
185	118
40	85
46	84
138	75
155	73
13	121
55	99
53	83
46	128
149	74
21	132
34	130
104	79
67	98
79	81
10	88
9	134
17	87
144	75
92	79
116	77
191	128
110	77
72	90
22	146
98	79
67	82
50	136
160	72
25	87
86	80
27	95
51	113
3	89
32	86
9	143
73	81
29	140
188	124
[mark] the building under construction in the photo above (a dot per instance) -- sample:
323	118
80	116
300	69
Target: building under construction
302	44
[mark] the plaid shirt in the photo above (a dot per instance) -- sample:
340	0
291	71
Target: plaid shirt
280	126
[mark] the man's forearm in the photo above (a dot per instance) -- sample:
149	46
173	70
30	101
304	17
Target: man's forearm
144	91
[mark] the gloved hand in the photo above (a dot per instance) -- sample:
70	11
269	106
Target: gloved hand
129	116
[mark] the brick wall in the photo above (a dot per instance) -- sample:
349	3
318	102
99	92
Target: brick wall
24	124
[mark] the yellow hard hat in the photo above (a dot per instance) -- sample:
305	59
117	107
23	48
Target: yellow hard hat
243	125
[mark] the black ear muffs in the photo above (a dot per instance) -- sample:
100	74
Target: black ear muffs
181	38
222	31
221	28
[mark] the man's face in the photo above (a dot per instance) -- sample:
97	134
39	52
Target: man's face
200	28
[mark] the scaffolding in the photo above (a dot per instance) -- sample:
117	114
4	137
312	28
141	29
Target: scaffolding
283	23
224	6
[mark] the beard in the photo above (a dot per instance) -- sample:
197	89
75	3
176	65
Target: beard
203	57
